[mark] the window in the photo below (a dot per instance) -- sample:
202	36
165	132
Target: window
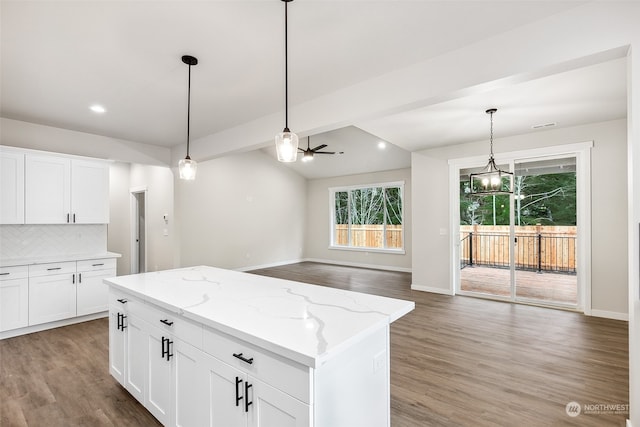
368	217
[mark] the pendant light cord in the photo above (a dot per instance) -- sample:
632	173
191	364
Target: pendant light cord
491	134
286	70
188	110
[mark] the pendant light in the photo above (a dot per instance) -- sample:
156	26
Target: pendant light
186	166
286	141
491	180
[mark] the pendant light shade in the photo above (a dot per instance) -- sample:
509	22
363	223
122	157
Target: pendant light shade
286	141
491	180
186	166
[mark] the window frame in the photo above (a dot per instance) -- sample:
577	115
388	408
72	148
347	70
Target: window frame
332	215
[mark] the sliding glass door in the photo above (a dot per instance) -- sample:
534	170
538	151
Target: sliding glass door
522	247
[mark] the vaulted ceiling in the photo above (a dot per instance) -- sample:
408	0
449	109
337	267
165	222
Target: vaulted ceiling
61	57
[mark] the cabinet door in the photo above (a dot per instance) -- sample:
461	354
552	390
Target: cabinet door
89	192
14	304
51	298
272	407
225	392
92	293
160	351
137	359
189	386
47	189
11	188
117	345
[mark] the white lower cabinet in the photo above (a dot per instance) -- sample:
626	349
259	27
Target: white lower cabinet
68	289
14	298
159	358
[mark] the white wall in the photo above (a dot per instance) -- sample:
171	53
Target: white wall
317	234
46	138
242	211
119	228
432	252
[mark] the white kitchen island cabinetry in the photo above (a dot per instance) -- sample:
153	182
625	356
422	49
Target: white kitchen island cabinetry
224	348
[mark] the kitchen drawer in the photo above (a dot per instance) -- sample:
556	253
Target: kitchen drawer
174	324
17	272
119	300
96	264
277	371
37	270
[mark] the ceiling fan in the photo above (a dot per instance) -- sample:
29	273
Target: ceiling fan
309	152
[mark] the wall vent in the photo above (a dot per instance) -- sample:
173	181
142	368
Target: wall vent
544	125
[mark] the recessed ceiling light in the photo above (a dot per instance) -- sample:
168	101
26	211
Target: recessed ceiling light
97	108
544	125
382	145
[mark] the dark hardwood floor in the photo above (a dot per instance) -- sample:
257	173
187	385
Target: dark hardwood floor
456	361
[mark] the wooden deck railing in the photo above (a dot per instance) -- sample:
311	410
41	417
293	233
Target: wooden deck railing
539	248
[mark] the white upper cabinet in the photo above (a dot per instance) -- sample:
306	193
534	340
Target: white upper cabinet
89	192
60	190
11	187
47	189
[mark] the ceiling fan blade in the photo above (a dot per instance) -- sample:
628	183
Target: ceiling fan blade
329	152
319	147
300	149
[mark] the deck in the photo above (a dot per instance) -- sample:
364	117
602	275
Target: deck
544	287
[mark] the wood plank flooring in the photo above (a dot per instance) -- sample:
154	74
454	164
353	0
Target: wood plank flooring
456	361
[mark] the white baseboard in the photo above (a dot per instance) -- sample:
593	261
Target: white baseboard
432	290
269	265
359	265
610	314
51	325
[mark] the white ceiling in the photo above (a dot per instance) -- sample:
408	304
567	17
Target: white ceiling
60	57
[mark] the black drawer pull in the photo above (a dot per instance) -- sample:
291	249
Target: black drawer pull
97	265
4	274
244	359
238	397
74	218
166	322
54	268
122	301
247	386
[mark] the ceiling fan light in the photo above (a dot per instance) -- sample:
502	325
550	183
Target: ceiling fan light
187	168
287	146
307	156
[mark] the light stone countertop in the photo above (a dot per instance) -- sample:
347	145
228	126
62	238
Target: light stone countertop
11	262
306	323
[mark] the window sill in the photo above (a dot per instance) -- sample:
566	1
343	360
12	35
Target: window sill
363	249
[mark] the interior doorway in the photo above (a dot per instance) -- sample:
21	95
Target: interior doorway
138	230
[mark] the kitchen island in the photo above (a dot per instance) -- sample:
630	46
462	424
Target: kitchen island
207	346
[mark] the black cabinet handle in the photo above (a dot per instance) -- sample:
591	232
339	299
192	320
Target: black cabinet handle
166	348
79	277
97	265
4	274
121	324
166	322
238	397
247	386
122	301
73	278
67	218
244	359
54	268
74	218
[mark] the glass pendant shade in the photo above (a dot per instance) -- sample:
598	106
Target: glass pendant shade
187	168
287	146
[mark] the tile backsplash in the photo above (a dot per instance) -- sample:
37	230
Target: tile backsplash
29	241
